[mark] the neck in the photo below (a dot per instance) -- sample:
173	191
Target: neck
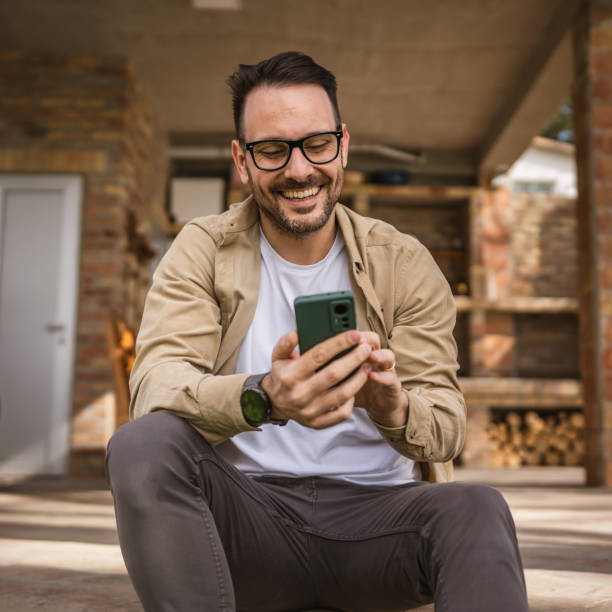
301	249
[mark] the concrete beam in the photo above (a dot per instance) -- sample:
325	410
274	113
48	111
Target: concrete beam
545	81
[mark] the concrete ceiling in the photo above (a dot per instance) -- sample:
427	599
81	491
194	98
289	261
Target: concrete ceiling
466	82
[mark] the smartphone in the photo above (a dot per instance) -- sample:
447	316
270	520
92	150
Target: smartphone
322	316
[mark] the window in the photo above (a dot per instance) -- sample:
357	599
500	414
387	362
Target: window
532	186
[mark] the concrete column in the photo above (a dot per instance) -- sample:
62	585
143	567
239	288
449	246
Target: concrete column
592	94
477	318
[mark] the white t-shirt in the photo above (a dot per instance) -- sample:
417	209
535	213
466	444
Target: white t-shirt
353	450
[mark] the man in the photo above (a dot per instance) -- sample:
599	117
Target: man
322	500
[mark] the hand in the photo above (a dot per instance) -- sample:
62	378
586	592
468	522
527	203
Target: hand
297	391
382	395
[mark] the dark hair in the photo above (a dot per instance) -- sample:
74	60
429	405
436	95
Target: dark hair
288	68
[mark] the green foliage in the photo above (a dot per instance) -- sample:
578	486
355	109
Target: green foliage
560	126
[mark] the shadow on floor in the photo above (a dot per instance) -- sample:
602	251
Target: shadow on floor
33	587
60	533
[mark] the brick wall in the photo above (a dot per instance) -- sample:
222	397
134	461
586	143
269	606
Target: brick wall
499	344
88	116
592	98
529	245
544	248
525	247
528	249
495	243
523	331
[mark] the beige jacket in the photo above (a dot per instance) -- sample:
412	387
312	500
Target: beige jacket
203	300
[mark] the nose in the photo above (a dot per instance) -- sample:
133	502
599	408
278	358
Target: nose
298	167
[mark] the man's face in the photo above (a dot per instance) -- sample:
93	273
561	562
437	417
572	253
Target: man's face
300	197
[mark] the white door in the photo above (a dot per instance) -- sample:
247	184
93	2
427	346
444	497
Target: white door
39	261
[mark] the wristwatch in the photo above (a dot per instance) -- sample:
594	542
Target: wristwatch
255	403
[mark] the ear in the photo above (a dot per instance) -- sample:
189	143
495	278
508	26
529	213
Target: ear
344	144
239	156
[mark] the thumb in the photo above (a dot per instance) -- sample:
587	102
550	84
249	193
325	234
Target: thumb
285	346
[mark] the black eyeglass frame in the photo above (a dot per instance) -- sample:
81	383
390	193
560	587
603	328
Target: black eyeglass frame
249	146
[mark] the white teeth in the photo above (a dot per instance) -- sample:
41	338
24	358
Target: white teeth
300	195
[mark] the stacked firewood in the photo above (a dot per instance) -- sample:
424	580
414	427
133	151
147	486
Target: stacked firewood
532	439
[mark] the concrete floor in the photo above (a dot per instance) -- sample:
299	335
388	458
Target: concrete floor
58	545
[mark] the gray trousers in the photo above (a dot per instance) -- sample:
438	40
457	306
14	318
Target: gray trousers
198	535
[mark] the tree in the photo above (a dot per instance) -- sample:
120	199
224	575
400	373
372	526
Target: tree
560	126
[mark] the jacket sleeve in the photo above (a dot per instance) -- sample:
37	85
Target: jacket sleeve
179	340
426	362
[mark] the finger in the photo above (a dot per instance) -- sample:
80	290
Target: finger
321	392
320	354
336	371
285	346
333	417
337	396
372	338
386	378
383	359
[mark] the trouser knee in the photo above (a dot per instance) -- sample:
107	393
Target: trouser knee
475	507
142	454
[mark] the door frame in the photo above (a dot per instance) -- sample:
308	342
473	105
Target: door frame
71	186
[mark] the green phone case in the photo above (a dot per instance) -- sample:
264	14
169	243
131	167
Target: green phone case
322	316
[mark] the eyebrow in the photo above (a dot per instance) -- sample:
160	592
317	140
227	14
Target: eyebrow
314	133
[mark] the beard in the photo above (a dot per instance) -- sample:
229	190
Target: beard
268	204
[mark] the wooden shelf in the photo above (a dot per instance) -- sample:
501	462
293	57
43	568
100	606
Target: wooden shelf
535	305
448	254
538	393
463	302
427	192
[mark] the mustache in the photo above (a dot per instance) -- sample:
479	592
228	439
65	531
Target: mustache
290	184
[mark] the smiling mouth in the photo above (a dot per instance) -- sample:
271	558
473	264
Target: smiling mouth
301	194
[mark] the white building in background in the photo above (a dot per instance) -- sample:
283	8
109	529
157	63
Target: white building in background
547	166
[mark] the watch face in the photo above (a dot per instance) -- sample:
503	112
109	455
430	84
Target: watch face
253	406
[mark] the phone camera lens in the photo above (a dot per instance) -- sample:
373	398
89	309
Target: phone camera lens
340	309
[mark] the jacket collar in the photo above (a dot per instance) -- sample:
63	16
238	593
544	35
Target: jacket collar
355	250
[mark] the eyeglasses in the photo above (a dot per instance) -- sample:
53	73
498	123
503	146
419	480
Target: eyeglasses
272	155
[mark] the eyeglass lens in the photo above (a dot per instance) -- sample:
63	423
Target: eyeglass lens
318	149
